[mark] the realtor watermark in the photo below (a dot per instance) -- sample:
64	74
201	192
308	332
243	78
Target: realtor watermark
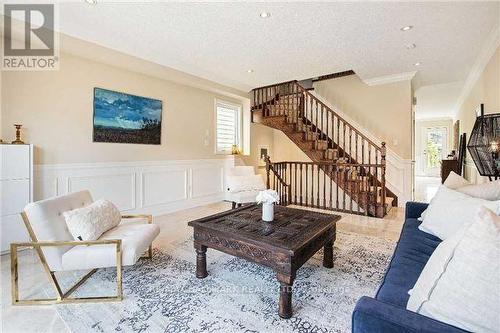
29	40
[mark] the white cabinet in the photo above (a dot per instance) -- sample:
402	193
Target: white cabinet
16	191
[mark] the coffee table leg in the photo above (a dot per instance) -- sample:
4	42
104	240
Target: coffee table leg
285	301
328	254
201	261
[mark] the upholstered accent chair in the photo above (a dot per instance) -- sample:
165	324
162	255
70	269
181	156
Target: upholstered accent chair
58	251
243	185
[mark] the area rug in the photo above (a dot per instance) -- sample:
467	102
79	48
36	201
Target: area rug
163	295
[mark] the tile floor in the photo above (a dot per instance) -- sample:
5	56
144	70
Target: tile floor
173	226
426	188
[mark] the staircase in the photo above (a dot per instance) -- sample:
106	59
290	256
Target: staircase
347	172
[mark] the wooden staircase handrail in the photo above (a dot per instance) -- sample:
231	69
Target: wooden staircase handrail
270	168
305	91
334	163
276	84
333	144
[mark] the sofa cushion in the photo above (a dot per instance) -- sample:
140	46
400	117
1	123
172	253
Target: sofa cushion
459	284
47	220
243	197
136	238
449	210
412	252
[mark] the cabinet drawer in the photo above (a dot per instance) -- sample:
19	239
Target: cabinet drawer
15	195
15	161
12	230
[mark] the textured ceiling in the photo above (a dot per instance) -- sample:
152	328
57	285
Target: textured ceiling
221	41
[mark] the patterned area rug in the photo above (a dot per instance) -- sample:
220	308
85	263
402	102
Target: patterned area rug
163	295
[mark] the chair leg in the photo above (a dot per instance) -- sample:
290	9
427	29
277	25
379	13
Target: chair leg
150	251
64	297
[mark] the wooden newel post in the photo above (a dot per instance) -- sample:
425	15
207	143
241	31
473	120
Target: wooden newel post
382	180
268	170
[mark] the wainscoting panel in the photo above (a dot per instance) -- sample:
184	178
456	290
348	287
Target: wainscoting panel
154	187
207	181
118	188
162	187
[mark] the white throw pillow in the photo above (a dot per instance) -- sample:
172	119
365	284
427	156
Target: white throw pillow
487	191
449	210
90	222
245	183
455	181
459	285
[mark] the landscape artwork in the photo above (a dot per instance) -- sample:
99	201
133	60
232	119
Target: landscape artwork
124	118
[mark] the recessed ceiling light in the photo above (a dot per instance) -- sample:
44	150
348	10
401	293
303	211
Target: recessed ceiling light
408	27
265	15
417	64
250	71
410	46
91	2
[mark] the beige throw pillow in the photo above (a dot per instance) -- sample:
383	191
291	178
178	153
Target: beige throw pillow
90	222
449	210
459	285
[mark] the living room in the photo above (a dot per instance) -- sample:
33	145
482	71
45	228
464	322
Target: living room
250	166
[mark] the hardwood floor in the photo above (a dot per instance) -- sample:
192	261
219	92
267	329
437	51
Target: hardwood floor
173	227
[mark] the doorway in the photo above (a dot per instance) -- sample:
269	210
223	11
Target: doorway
434	149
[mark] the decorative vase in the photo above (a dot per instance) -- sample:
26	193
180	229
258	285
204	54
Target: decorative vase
267	212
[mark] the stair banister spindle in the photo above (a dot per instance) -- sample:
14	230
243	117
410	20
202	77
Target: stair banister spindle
268	170
383	162
324	189
301	182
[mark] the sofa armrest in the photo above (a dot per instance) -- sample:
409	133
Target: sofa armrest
372	315
414	209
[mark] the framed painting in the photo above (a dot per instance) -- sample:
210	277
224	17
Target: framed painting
125	118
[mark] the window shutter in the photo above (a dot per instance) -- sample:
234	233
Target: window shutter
227	128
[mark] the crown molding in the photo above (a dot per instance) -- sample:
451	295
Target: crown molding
484	57
407	76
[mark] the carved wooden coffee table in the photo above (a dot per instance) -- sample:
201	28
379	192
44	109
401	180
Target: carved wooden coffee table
284	245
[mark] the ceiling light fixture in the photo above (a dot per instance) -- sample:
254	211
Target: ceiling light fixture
408	27
250	71
265	15
417	64
91	2
410	46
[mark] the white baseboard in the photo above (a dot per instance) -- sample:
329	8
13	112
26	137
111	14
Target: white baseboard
153	187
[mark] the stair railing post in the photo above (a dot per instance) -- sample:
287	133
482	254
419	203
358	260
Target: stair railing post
382	181
268	171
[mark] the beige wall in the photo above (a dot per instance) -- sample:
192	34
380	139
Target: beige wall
259	135
286	149
383	110
486	90
281	147
56	110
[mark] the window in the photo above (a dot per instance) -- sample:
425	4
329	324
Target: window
227	128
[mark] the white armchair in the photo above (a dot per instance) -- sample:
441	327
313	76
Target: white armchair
58	251
243	185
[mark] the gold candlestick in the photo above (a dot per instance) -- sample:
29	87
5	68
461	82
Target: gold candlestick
18	140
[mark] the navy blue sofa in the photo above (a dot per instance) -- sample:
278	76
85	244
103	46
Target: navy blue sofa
387	311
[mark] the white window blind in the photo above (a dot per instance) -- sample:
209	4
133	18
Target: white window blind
227	127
